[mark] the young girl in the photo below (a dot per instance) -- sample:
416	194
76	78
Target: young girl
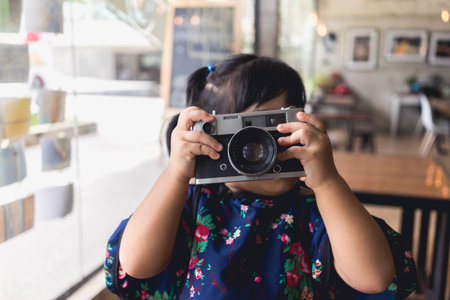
266	239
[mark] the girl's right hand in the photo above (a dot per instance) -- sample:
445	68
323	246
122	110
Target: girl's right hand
187	144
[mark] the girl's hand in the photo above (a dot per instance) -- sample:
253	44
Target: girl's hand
187	144
315	155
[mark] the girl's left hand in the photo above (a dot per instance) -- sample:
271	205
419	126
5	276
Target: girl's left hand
315	155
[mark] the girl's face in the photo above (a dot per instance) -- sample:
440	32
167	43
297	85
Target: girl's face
269	187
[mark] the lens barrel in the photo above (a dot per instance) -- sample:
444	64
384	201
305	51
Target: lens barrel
252	151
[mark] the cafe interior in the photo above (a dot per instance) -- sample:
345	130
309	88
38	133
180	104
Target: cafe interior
87	88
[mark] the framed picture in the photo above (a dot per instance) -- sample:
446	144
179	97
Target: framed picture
405	45
362	46
439	53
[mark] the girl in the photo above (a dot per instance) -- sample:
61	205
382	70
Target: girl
266	239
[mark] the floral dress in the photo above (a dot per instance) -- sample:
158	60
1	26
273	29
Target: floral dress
245	246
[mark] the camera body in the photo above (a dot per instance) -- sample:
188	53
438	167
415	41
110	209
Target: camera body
250	147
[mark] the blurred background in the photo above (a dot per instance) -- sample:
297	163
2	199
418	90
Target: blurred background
86	87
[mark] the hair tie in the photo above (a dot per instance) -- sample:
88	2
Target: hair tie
210	67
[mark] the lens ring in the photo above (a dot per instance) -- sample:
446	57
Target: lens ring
236	152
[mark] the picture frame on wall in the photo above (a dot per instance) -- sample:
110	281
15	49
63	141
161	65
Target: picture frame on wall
362	49
405	45
439	54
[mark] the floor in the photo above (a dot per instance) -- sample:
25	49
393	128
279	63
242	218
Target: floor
384	144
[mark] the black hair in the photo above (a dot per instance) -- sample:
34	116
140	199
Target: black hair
239	81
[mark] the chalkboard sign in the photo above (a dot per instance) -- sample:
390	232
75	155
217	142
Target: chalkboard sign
197	34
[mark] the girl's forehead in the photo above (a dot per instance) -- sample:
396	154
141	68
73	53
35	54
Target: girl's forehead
275	103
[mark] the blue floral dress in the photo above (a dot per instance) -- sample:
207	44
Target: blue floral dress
245	246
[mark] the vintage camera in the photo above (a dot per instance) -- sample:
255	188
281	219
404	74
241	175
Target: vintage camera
250	147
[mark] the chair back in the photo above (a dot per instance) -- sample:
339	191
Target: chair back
426	114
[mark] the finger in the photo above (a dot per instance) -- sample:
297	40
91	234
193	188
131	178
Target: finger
297	152
303	136
202	138
301	132
201	149
291	127
191	115
312	120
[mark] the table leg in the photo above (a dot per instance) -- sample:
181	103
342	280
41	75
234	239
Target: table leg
395	113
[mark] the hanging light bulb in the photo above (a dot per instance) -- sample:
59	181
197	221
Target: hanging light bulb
322	30
445	15
314	18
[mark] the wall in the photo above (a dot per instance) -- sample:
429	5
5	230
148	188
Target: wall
374	87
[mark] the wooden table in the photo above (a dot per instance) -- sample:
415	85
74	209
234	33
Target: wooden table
411	183
441	105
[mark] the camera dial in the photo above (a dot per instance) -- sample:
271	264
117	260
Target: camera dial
208	127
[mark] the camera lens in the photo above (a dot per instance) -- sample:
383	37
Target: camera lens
208	127
252	151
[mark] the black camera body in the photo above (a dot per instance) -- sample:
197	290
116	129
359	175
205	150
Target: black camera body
250	147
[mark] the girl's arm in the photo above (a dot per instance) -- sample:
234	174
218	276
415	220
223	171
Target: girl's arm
362	256
149	237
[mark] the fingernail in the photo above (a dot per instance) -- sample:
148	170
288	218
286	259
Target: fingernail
280	126
282	140
219	147
216	155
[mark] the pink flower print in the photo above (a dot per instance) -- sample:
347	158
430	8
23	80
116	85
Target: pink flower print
237	233
304	265
311	229
285	238
229	240
274	225
244	208
224	231
406	269
192	292
317	268
297	249
179	272
257	222
317	273
306	294
193	262
125	284
293	278
283	216
258	279
201	233
408	254
122	273
198	273
144	295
